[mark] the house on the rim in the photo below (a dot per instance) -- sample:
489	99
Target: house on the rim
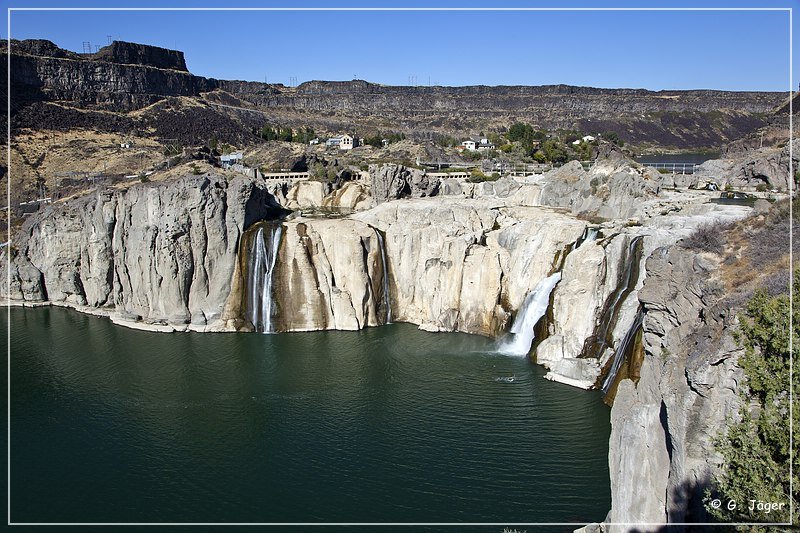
343	142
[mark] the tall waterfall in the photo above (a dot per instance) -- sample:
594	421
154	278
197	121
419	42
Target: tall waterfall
623	350
387	303
262	256
519	340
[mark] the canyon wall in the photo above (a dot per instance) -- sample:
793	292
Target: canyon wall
661	454
125	76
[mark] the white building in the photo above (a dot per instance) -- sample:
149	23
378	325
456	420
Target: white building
228	160
343	142
346	142
585	138
481	145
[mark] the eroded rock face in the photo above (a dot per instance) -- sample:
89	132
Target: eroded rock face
611	189
162	253
662	428
390	182
460	265
748	170
329	275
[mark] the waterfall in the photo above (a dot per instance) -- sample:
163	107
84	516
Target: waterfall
601	339
623	350
262	256
589	234
387	303
519	340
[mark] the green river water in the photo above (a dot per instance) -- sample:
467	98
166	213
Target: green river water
389	424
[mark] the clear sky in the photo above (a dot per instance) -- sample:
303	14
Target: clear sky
733	50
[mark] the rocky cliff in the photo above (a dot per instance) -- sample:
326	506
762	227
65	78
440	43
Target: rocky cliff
749	170
127	76
179	255
160	255
663	426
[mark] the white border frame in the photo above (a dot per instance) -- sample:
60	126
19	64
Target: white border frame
387	524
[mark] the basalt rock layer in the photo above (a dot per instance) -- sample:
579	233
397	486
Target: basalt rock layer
126	76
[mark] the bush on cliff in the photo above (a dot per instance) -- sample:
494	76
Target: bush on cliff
756	449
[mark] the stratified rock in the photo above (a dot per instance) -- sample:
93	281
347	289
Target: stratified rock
141	54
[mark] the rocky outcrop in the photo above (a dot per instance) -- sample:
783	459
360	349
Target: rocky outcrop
329	275
467	265
390	182
141	54
663	426
593	275
113	86
161	254
611	189
311	195
748	170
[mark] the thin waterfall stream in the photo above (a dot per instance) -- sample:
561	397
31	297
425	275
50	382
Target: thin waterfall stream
387	303
262	256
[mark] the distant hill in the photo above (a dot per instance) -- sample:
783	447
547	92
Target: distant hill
126	77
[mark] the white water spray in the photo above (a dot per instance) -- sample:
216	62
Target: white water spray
519	340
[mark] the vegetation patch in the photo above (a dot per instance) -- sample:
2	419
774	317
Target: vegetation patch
756	448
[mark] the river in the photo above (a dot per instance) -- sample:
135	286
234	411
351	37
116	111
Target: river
388	424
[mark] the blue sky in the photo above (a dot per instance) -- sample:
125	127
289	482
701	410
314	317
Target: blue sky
733	50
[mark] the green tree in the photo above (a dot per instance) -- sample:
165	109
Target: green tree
374	140
613	137
303	135
755	449
554	151
268	133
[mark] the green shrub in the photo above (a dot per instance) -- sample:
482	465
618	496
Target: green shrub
755	449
